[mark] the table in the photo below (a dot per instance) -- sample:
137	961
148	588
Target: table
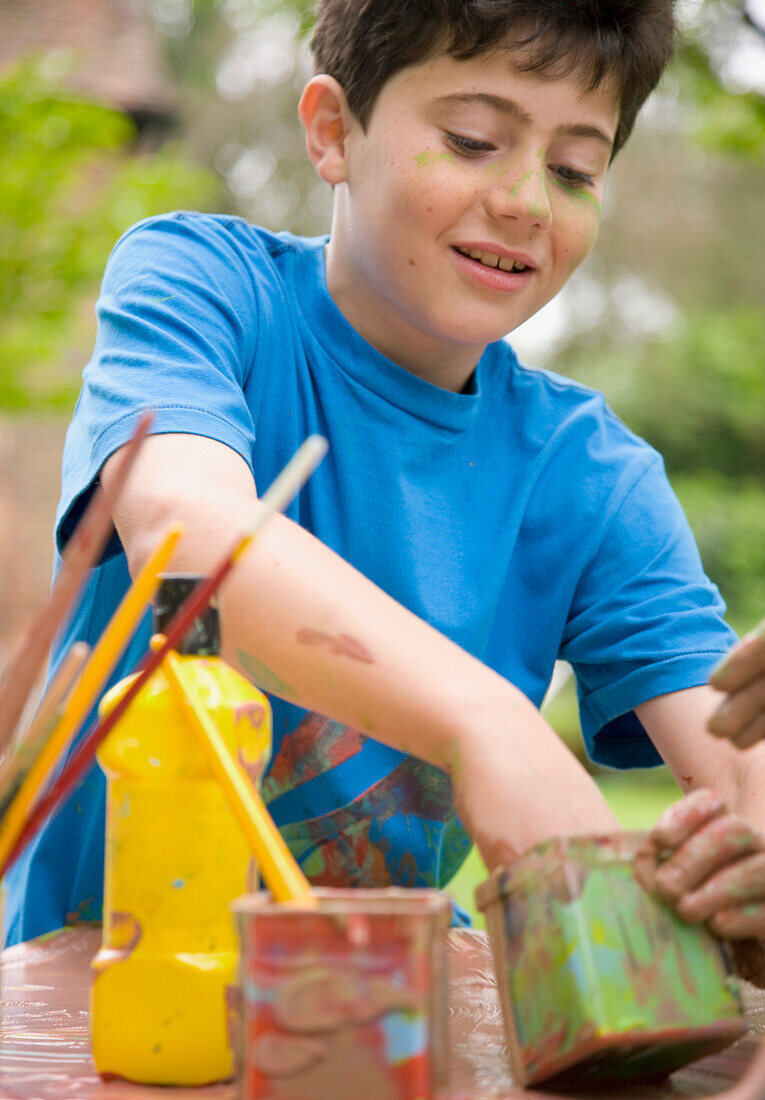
45	1042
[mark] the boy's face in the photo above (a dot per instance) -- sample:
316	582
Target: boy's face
459	158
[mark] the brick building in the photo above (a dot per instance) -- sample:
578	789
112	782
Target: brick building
115	56
117	60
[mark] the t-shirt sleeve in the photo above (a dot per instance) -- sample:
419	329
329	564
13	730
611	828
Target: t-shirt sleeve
176	334
645	620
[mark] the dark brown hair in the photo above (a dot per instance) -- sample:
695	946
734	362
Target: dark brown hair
363	43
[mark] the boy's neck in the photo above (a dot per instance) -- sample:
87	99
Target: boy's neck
448	367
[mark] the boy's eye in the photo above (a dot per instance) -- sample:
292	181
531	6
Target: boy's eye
469	147
571	177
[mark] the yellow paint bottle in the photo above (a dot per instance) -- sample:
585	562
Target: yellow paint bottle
175	859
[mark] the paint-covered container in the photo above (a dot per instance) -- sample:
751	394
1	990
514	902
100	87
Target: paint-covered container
165	976
344	1001
597	977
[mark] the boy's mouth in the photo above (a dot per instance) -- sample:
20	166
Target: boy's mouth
491	259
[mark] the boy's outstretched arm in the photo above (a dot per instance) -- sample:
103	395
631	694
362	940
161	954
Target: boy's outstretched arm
309	627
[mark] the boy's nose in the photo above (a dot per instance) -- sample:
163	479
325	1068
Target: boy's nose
522	196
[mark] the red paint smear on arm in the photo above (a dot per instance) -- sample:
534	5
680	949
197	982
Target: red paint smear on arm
341	645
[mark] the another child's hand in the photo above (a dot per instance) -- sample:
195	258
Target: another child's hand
709	865
741	715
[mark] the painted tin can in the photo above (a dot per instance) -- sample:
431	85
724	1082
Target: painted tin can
598	979
346	1001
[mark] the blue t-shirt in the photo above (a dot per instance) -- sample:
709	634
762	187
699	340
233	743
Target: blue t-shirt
522	519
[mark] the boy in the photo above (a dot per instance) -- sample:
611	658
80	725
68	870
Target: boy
474	519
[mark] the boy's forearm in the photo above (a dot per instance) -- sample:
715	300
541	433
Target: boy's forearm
677	723
305	625
749	798
308	627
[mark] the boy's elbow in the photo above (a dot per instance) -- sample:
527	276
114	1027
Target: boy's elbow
187	480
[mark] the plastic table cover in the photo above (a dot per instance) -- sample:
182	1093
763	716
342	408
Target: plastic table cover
45	1042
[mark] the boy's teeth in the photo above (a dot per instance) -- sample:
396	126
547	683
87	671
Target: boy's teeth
490	259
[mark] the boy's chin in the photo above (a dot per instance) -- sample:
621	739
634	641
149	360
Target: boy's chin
472	326
477	335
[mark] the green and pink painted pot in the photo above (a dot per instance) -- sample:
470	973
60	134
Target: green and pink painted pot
598	979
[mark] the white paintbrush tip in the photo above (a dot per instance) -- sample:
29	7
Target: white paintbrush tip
292	478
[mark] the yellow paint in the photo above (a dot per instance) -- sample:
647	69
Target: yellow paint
175	859
100	664
278	866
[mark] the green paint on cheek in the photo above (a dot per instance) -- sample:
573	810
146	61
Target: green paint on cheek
264	678
579	193
427	158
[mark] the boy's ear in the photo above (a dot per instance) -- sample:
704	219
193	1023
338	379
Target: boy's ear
324	112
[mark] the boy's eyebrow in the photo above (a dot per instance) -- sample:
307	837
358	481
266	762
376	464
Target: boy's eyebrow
514	110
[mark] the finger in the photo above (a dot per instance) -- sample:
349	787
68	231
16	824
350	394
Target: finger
743	663
684	817
739	922
644	865
739	710
752	734
736	885
716	844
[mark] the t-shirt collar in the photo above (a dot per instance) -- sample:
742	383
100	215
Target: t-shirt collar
370	368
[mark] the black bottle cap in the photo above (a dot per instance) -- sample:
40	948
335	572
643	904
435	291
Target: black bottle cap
203	637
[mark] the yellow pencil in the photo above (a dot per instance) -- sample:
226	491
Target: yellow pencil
278	866
100	664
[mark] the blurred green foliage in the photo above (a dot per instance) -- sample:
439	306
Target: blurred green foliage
728	519
71	185
726	121
710	377
699	397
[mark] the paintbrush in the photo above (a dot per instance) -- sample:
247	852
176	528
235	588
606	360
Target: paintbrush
21	755
101	662
276	498
278	866
82	553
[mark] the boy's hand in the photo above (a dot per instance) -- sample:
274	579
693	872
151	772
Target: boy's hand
741	675
709	865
